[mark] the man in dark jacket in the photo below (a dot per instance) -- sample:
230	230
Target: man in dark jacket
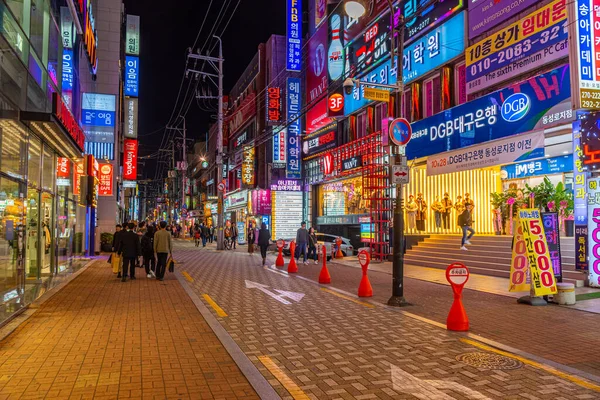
465	220
301	242
115	244
130	250
264	238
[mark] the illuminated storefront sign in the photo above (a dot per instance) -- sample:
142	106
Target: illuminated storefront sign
434	49
273	105
91	39
68	122
320	142
370	48
132	76
294	129
590	142
279	149
317	116
485	14
579	201
131	117
130	155
320	11
98	109
544	166
105	178
384	74
248	166
63	171
593	229
351	163
428	16
588	38
287	185
354	26
261	202
77	174
67	28
294	35
286	209
316	69
67	77
132	35
335	104
540	37
337	41
496	115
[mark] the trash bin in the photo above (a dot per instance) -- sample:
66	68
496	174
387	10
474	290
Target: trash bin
566	294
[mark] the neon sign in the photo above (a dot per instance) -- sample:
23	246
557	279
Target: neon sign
66	119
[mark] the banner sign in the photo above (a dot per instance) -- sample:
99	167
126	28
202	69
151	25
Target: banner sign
581	248
67	28
552	232
105	178
68	76
248	166
63	167
287	185
294	35
279	149
77	174
294	129
317	116
593	230
520	276
486	155
132	78
316	70
286	209
544	166
130	154
337	41
588	36
434	49
320	142
540	37
427	17
384	74
485	14
537	103
351	163
542	275
369	49
354	26
131	117
261	202
98	110
273	105
132	35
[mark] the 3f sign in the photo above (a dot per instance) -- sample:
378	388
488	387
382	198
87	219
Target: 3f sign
294	11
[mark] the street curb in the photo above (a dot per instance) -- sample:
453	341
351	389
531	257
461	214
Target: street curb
12	324
254	376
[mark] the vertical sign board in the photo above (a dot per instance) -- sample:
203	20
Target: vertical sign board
294	129
248	165
552	232
520	275
587	91
130	159
542	275
105	178
580	201
294	36
273	108
594	232
485	14
67	77
279	149
131	117
132	78
132	35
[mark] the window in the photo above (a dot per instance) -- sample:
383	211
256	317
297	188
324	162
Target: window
13	158
35	152
49	170
361	125
460	84
380	113
406	102
40	15
432	97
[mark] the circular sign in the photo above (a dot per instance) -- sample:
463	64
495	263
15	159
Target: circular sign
336	102
400	131
204	164
280	244
221	187
363	258
457	274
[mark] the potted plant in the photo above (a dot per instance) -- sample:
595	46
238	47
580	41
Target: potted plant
563	204
498	201
542	193
106	239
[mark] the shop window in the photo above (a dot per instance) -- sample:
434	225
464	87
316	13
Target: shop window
16	6
34	162
54	55
361	125
432	97
406	103
49	169
12	32
380	114
40	15
13	159
342	198
460	84
12	222
13	75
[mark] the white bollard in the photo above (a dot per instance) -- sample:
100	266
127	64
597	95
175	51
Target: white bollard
566	294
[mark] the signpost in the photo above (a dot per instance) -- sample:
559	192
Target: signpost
376	94
457	275
221	187
400	174
400	131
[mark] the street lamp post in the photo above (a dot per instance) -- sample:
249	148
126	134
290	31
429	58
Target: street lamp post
356	9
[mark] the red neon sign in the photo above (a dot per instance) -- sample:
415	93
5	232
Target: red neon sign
130	159
66	119
63	167
328	164
105	186
274	104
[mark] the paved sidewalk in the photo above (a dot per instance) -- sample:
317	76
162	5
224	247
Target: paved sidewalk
103	339
311	342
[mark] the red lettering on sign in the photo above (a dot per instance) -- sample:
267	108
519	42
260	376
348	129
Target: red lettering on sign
66	119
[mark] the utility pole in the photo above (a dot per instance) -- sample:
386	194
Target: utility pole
183	176
218	68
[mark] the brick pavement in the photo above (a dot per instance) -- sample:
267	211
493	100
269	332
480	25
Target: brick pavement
103	339
335	348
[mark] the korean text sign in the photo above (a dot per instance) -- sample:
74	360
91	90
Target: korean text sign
594	232
279	146
485	14
540	265
273	105
522	107
428	15
518	48
371	48
588	48
294	35
520	278
248	166
552	232
105	178
132	76
294	129
130	159
544	166
383	74
434	48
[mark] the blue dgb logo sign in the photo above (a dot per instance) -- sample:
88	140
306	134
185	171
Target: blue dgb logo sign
515	107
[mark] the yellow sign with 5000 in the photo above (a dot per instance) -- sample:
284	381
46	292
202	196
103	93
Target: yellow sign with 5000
532	24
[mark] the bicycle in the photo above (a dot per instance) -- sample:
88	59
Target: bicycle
228	243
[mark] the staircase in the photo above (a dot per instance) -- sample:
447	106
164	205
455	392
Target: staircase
488	255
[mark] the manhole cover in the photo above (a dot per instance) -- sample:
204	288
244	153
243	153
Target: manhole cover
489	361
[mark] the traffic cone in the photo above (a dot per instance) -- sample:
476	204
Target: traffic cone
324	276
339	255
279	262
457	317
364	288
292	267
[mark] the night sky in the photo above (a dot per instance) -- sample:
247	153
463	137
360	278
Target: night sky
168	29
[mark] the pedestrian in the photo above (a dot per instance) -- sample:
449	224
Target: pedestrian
301	242
163	248
204	234
115	245
197	236
251	239
211	233
130	250
227	236
465	220
264	237
148	252
312	244
234	234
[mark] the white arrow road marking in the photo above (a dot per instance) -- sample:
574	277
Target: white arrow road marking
404	382
279	297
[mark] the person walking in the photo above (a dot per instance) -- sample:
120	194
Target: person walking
115	246
312	245
251	239
163	248
301	242
204	234
211	233
148	252
264	238
130	250
234	234
197	235
465	220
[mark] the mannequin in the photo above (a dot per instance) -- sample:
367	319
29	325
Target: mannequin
421	212
438	209
447	207
468	201
411	211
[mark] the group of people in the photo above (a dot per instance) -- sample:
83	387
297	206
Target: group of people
152	242
204	233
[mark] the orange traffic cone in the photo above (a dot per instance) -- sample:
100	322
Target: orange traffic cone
280	262
339	255
324	276
364	288
292	267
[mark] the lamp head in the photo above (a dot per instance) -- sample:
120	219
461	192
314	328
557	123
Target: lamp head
356	8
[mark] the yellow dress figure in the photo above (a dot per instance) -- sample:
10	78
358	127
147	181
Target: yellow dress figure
411	211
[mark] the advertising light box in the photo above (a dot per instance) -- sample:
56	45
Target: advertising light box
132	77
383	74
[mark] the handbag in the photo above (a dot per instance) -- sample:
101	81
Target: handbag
116	263
171	264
